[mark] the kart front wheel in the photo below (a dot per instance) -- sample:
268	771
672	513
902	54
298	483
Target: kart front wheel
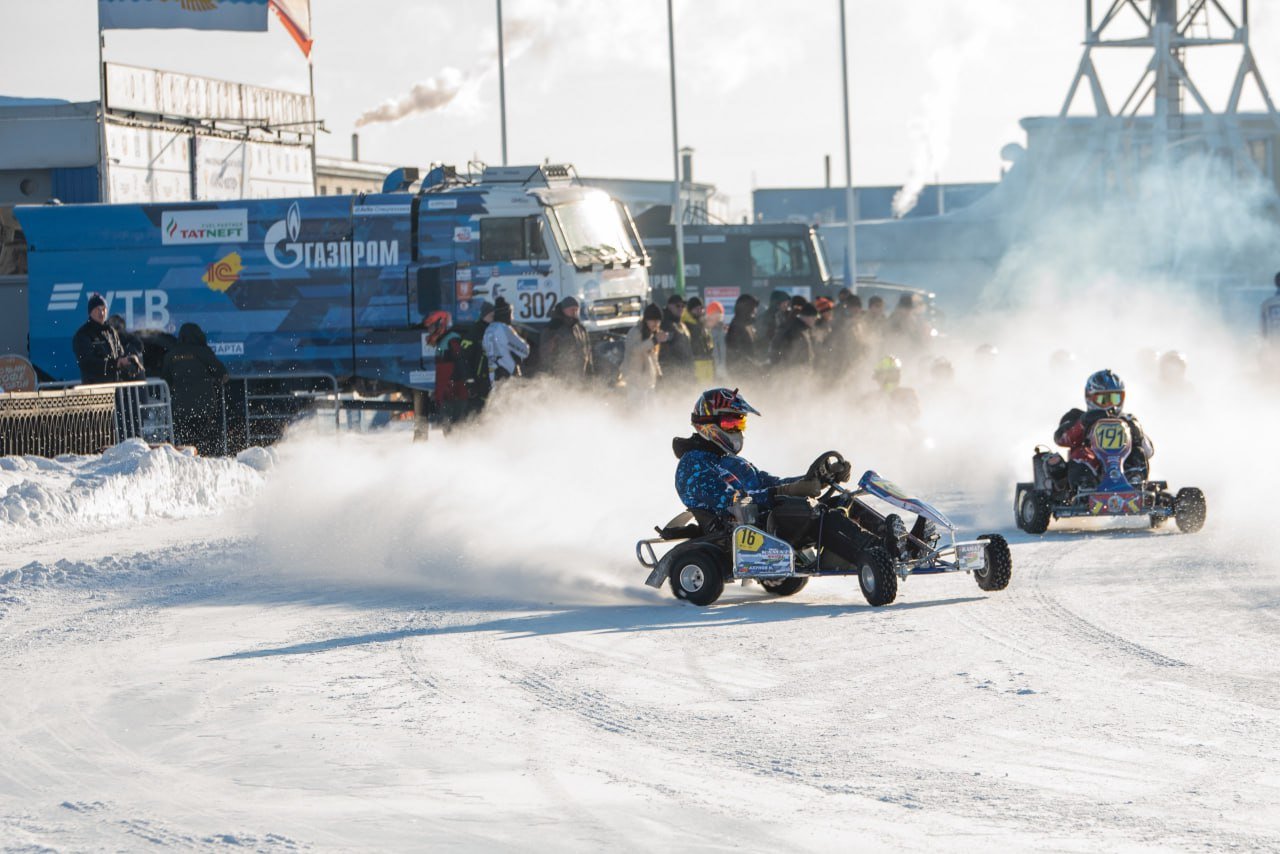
696	576
784	586
876	577
1189	510
1033	511
999	569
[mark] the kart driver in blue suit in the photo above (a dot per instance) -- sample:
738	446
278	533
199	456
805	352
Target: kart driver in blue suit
712	476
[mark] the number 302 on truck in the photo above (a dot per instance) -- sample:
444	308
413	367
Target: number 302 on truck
338	284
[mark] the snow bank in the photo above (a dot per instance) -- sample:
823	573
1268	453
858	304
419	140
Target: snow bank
126	484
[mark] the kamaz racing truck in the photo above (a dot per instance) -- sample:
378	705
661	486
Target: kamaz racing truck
337	284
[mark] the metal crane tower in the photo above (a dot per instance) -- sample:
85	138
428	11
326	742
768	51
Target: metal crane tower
1156	104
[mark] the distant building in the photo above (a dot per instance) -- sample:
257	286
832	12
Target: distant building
167	137
338	177
826	205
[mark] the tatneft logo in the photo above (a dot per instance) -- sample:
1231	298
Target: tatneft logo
185	227
285	251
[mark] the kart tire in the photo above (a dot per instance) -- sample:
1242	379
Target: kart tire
1189	509
876	577
1157	521
697	576
784	586
999	569
895	536
1033	512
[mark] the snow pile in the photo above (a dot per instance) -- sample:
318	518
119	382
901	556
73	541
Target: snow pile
128	483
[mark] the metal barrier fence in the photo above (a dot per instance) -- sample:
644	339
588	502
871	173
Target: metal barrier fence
144	411
83	419
258	407
62	418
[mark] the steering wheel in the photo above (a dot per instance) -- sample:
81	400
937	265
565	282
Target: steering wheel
830	468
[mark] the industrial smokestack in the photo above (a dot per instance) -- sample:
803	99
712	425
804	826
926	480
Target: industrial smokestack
826	166
355	146
686	165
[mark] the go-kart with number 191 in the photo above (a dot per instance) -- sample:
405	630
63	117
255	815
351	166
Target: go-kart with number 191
1120	491
707	553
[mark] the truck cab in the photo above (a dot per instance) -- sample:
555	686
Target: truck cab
725	261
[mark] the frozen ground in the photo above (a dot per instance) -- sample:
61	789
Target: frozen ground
173	678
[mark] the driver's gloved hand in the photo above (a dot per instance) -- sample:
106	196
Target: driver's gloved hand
830	467
806	487
819	469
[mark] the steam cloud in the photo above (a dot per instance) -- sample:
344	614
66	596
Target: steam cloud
431	94
972	29
522	34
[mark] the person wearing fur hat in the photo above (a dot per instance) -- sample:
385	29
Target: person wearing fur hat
97	347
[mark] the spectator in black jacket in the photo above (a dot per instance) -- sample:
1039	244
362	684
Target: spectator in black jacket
770	324
195	378
676	356
97	346
133	350
793	346
740	341
564	350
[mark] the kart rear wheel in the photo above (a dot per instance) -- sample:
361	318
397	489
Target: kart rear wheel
1189	509
697	576
876	577
999	569
784	586
1033	511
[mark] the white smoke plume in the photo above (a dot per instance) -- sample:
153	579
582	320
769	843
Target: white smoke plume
431	94
969	29
524	32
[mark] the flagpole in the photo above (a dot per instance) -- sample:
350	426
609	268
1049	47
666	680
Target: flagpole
102	114
315	133
677	207
502	85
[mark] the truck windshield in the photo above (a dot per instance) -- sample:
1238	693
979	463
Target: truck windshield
593	231
820	251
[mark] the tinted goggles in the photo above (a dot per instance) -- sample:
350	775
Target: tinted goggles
1103	399
732	423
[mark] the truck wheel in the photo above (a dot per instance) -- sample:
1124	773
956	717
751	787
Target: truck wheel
876	577
784	586
999	569
697	576
1033	511
1189	509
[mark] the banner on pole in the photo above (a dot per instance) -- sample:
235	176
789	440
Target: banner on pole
243	15
295	15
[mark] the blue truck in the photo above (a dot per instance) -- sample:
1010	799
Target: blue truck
337	285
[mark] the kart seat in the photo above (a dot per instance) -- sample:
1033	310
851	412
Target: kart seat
688	525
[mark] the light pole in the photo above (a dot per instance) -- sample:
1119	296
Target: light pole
677	208
502	86
850	202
